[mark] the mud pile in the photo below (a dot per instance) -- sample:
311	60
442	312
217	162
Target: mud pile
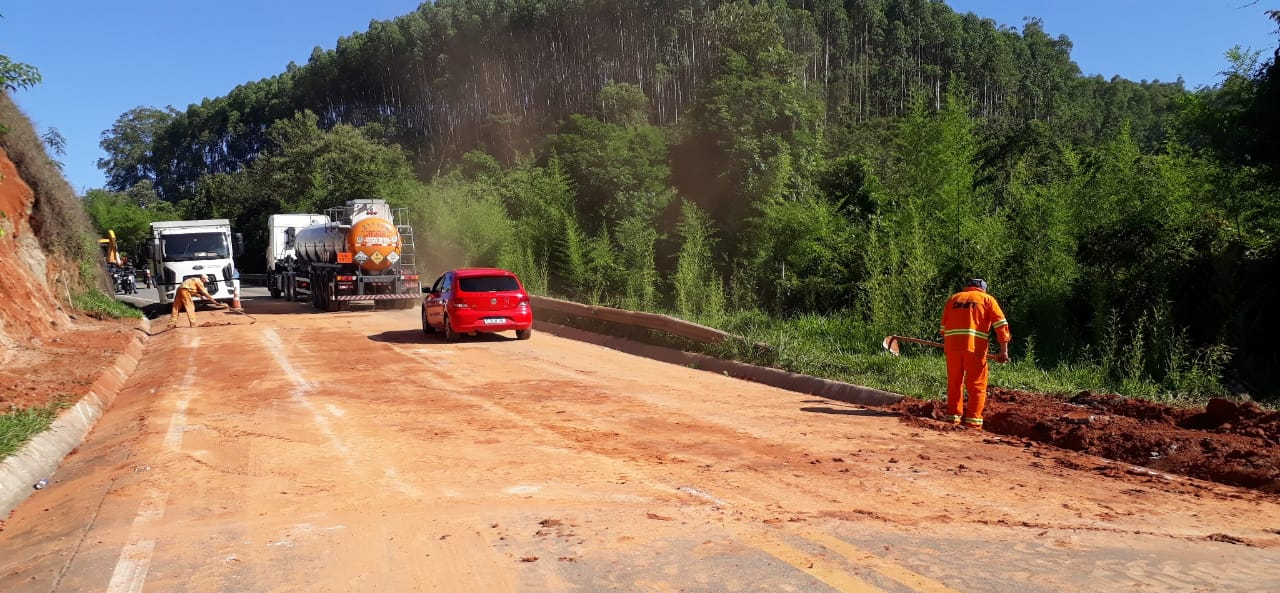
1228	442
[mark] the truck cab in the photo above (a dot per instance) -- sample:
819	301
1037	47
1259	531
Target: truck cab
184	249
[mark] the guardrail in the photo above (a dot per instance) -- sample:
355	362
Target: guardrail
666	323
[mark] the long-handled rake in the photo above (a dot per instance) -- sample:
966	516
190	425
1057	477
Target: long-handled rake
893	344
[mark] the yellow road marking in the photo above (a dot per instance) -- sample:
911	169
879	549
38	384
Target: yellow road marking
916	582
817	566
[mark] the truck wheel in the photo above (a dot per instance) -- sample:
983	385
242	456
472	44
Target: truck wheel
524	334
330	290
449	334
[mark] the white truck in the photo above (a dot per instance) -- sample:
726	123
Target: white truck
182	249
282	251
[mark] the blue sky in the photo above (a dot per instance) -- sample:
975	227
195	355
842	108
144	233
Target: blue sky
100	59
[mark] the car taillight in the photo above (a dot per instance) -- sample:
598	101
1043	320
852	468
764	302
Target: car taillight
458	303
523	302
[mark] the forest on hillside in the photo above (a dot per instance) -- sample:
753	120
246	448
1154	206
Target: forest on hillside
721	160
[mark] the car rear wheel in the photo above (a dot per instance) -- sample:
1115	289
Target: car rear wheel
426	327
449	334
524	334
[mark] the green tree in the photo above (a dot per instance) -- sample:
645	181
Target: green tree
806	254
130	145
754	115
129	215
620	171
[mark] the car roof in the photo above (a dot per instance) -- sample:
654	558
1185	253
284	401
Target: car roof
469	272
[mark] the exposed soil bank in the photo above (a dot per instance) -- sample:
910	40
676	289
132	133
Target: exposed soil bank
1236	443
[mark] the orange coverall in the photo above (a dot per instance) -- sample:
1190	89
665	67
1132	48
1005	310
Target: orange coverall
968	320
183	299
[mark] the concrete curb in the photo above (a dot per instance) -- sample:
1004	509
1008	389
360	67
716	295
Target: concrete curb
44	453
825	388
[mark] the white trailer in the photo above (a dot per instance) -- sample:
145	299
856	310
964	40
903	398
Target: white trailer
182	249
282	255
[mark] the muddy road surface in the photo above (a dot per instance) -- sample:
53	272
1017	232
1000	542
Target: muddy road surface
348	452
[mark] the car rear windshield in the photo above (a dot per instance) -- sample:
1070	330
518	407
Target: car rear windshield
488	284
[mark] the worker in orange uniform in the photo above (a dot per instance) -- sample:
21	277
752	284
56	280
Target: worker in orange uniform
969	319
183	298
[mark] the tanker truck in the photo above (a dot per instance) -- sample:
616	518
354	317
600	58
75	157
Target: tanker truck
362	251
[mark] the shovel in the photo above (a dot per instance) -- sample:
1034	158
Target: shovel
892	344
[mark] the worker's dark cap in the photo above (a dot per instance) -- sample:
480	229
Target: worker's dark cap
979	282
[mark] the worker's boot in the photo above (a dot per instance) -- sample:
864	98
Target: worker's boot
973	423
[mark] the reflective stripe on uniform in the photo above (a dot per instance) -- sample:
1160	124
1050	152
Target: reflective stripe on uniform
973	421
999	323
966	332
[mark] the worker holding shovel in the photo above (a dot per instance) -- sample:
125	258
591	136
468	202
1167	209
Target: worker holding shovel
969	319
183	298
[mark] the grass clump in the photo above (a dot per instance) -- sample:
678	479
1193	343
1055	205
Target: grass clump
103	306
19	426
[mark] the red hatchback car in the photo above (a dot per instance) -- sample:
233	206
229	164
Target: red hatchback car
473	300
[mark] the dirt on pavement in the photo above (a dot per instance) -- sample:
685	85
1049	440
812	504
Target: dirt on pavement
347	451
1228	442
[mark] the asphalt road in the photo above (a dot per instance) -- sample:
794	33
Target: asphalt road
294	450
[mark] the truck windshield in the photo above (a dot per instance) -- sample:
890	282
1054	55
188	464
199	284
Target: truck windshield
195	246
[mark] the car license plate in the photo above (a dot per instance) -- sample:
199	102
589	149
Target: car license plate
494	320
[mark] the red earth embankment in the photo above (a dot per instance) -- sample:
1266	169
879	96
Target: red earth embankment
1229	442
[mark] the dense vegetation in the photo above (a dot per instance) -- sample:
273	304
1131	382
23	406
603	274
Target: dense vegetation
816	164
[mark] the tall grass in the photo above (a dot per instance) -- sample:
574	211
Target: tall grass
842	348
99	304
18	426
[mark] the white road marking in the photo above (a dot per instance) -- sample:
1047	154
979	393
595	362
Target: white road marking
301	388
130	573
178	421
394	478
131	570
300	392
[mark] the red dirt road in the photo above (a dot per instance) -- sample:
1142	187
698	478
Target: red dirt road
349	452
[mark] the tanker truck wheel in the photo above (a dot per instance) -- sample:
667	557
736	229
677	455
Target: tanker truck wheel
449	334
